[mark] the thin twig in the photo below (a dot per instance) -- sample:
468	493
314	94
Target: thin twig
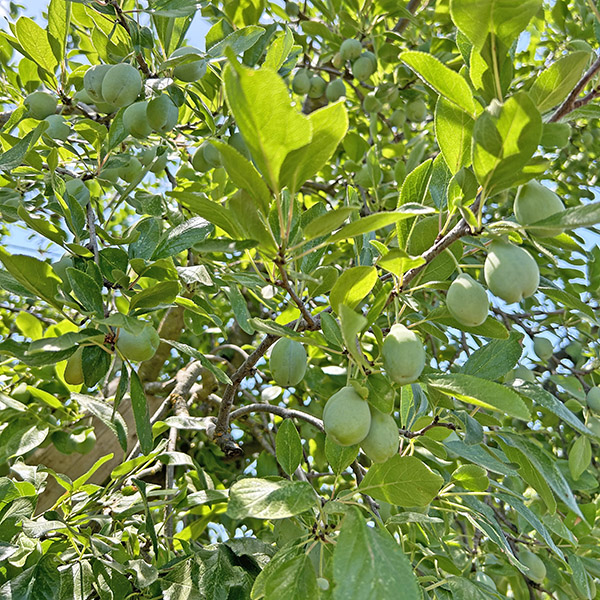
284	413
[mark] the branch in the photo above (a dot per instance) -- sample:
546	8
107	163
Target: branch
284	413
287	286
571	103
402	24
435	423
91	225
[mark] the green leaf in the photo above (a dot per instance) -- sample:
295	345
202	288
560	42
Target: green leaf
37	276
352	324
293	579
240	308
504	144
415	186
141	413
163	293
328	125
368	564
491	327
59	18
34	41
503	18
106	413
271	127
87	291
397	261
352	287
267	499
95	362
14	156
580	456
453	132
212	211
480	392
331	330
244	175
585	215
478	454
444	81
402	480
339	457
279	50
20	436
495	359
183	237
288	446
553	85
327	223
185	349
471	477
239	41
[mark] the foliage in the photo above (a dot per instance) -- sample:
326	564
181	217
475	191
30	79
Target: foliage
320	173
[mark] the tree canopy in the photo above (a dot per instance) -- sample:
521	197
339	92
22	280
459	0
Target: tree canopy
307	308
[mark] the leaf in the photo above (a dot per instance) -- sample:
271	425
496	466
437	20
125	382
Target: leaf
266	499
107	414
37	276
163	293
585	215
444	81
13	157
352	324
185	349
34	41
504	144
183	237
495	359
504	18
368	564
20	436
553	85
240	308
472	477
141	414
87	291
95	362
59	17
271	129
328	125
480	455
327	223
580	457
352	287
288	446
293	579
402	480
453	132
414	188
243	173
279	50
480	392
339	457
239	41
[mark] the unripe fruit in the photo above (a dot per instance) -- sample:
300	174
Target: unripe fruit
292	9
288	362
416	111
147	155
510	272
347	418
371	103
162	114
160	163
83	96
64	442
78	190
21	393
403	355
593	424
337	61
74	369
368	54
199	162
335	90
467	301
317	86
301	82
542	347
92	81
138	347
58	129
105	107
362	68
121	85
135	120
535	202
398	118
537	569
587	138
191	71
211	155
40	105
110	175
383	439
84	439
593	399
130	171
350	49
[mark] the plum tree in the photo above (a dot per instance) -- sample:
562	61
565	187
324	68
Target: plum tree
40	105
350	49
467	301
335	90
511	273
288	362
188	71
363	67
535	202
121	85
162	114
346	417
383	439
403	354
317	86
138	346
135	120
301	82
416	110
92	82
